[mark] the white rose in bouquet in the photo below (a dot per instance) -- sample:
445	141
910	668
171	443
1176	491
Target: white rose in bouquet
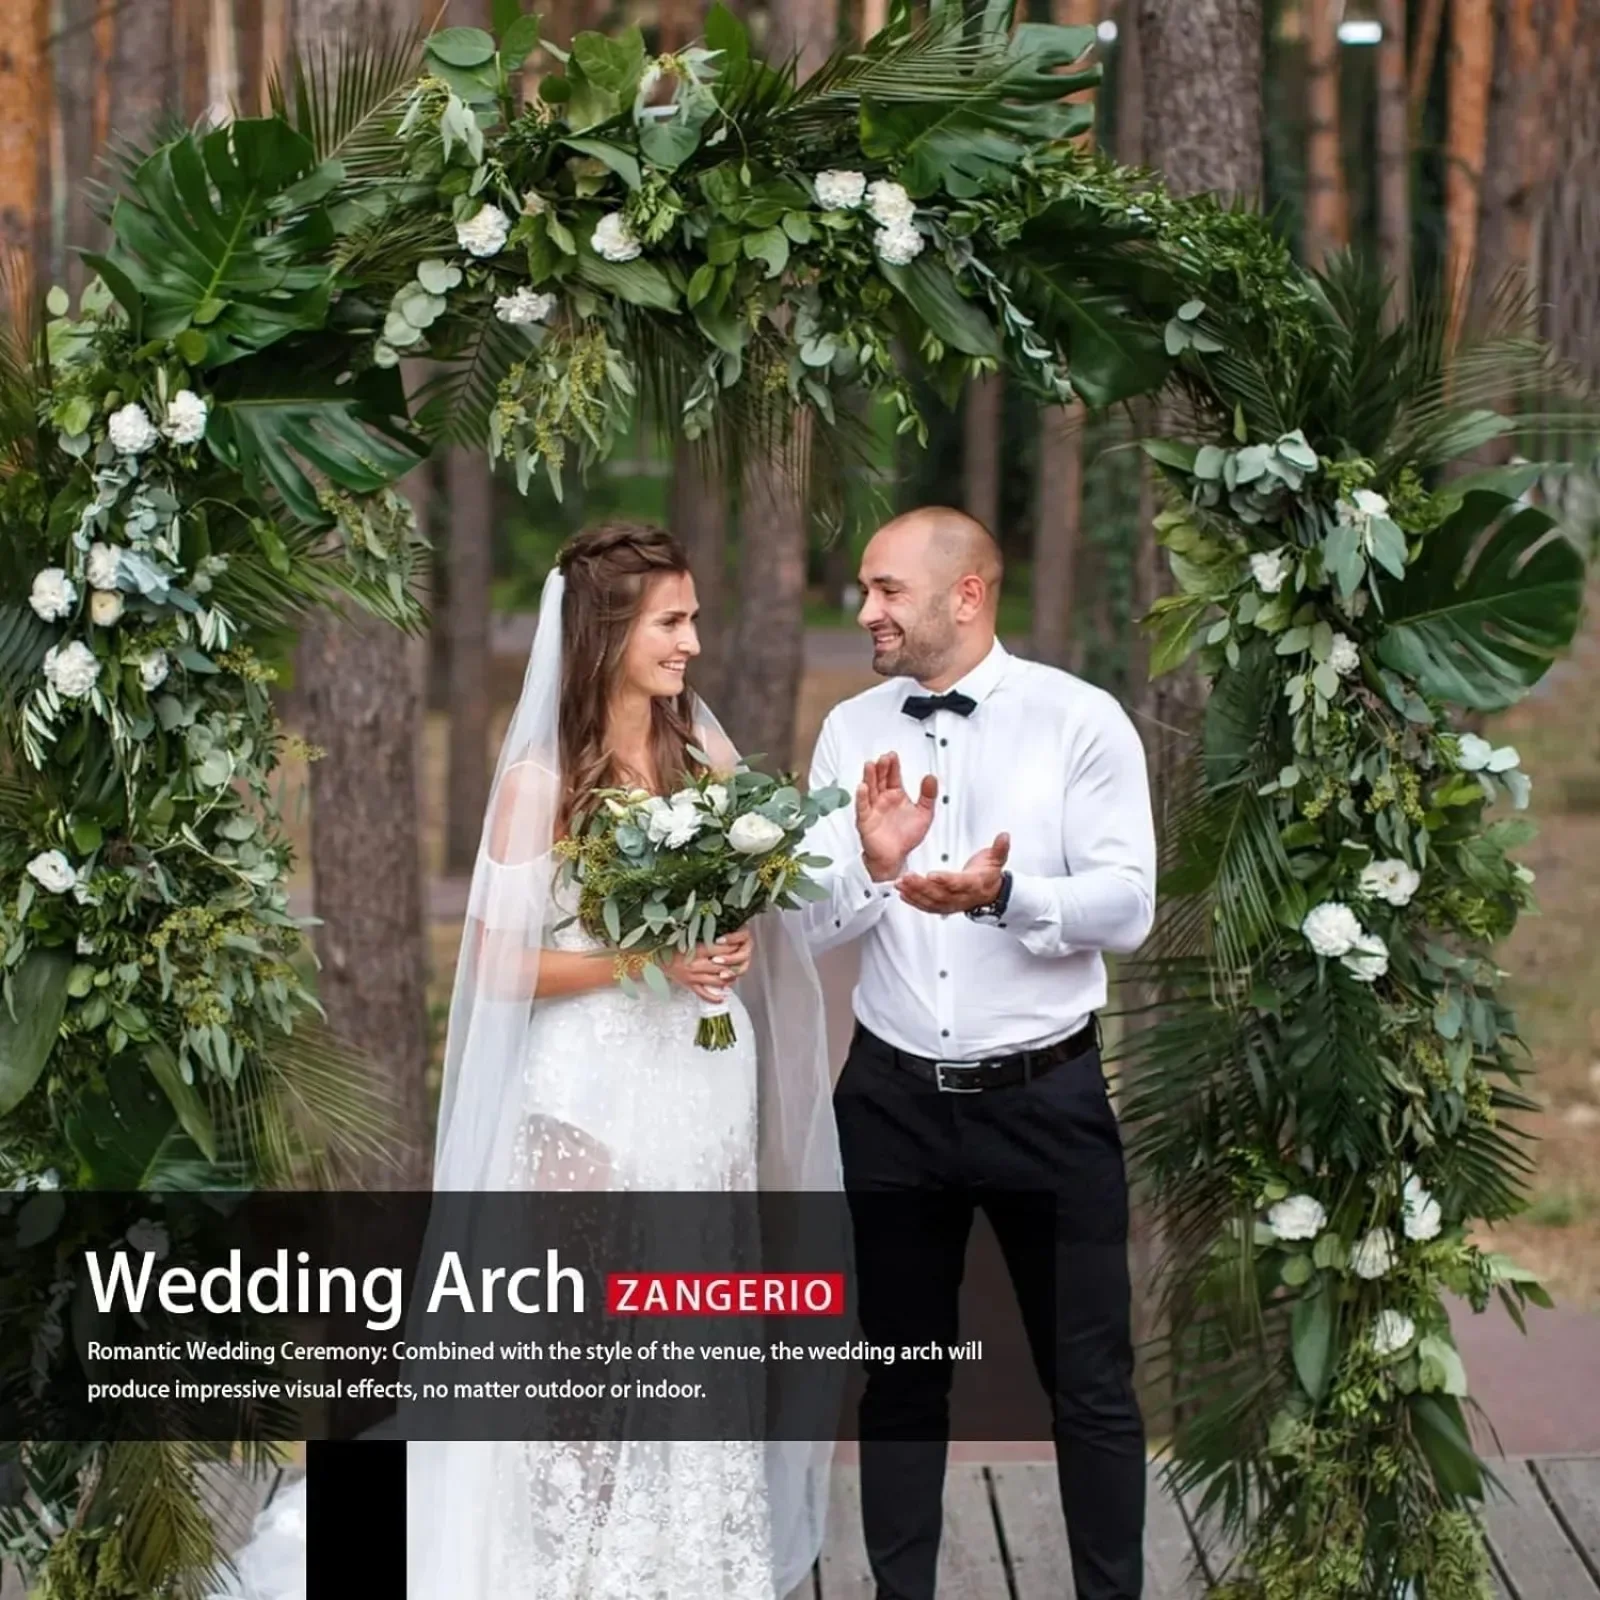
153	669
1423	1217
1269	568
523	306
484	233
717	798
1369	959
53	594
1301	1216
71	670
1345	656
753	835
1394	881
105	607
131	429
889	203
51	870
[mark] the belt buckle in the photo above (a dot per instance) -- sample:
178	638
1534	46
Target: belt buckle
956	1088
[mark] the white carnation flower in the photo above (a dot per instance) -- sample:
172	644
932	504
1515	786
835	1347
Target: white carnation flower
186	418
1269	568
72	670
1345	656
153	669
614	238
131	429
53	594
149	1238
484	234
1473	752
717	797
1301	1216
1395	881
523	306
1369	960
1331	929
105	607
1392	1331
1423	1218
899	244
104	566
1373	1255
840	191
51	870
889	203
753	835
671	824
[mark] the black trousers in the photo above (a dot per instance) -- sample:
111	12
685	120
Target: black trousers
918	1162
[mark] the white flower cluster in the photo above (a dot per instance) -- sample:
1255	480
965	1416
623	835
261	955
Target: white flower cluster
1332	929
104	567
1422	1218
1362	506
524	305
889	203
1475	754
753	835
678	820
1270	568
72	670
1391	1332
897	240
153	669
186	418
673	822
840	191
1300	1216
53	594
1393	880
1373	1255
1345	655
51	870
131	429
484	233
614	239
105	608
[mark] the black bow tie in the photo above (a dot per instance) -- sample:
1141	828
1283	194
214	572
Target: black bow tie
924	705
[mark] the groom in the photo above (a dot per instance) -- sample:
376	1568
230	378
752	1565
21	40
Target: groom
1001	841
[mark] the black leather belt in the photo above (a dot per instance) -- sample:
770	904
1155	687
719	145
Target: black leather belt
993	1072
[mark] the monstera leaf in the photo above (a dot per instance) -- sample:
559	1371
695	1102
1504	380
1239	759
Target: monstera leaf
282	430
1481	614
968	143
219	241
39	993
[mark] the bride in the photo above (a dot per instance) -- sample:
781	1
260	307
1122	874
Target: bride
555	1079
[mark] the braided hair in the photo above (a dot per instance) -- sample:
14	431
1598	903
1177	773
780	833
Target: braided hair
608	570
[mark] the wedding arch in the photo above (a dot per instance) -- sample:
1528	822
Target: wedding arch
207	444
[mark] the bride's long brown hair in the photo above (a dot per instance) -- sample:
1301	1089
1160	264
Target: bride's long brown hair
608	570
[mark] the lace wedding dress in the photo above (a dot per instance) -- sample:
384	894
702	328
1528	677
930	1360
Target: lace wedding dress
620	1097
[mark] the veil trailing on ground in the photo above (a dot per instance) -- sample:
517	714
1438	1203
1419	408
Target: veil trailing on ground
496	1131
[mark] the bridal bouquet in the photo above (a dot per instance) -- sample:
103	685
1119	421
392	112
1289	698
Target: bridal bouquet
659	873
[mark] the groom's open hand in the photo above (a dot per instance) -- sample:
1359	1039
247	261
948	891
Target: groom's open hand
890	822
975	885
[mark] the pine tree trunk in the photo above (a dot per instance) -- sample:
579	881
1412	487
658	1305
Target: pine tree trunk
469	548
1058	521
1327	214
1430	23
78	71
762	679
1571	234
143	78
1471	63
1394	157
359	690
698	515
24	127
982	428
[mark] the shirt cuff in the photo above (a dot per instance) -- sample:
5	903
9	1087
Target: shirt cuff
1033	913
857	894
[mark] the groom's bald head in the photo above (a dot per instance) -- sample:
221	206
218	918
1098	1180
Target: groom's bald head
931	580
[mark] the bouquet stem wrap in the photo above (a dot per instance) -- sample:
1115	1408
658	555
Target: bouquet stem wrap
714	1031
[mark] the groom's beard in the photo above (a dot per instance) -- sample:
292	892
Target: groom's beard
921	651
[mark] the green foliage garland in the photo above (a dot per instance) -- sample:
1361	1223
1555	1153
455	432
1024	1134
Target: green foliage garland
207	447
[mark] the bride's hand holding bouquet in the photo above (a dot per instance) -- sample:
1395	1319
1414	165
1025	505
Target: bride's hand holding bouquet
663	878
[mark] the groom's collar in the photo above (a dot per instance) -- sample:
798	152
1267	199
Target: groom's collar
984	678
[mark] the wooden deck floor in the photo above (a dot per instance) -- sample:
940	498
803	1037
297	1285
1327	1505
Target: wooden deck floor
1004	1539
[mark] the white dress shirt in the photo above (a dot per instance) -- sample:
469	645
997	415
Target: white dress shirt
1050	760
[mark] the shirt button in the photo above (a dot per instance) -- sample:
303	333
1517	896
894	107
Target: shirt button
944	974
946	799
944	1033
837	923
944	741
944	857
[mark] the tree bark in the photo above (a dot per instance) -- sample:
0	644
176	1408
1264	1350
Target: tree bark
1471	63
982	427
1571	234
362	707
769	636
1058	523
803	29
1327	212
144	86
698	515
1394	158
24	132
1430	23
469	542
78	72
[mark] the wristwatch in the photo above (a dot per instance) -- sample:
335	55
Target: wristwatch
996	908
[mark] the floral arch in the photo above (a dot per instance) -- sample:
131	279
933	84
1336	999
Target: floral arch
207	444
